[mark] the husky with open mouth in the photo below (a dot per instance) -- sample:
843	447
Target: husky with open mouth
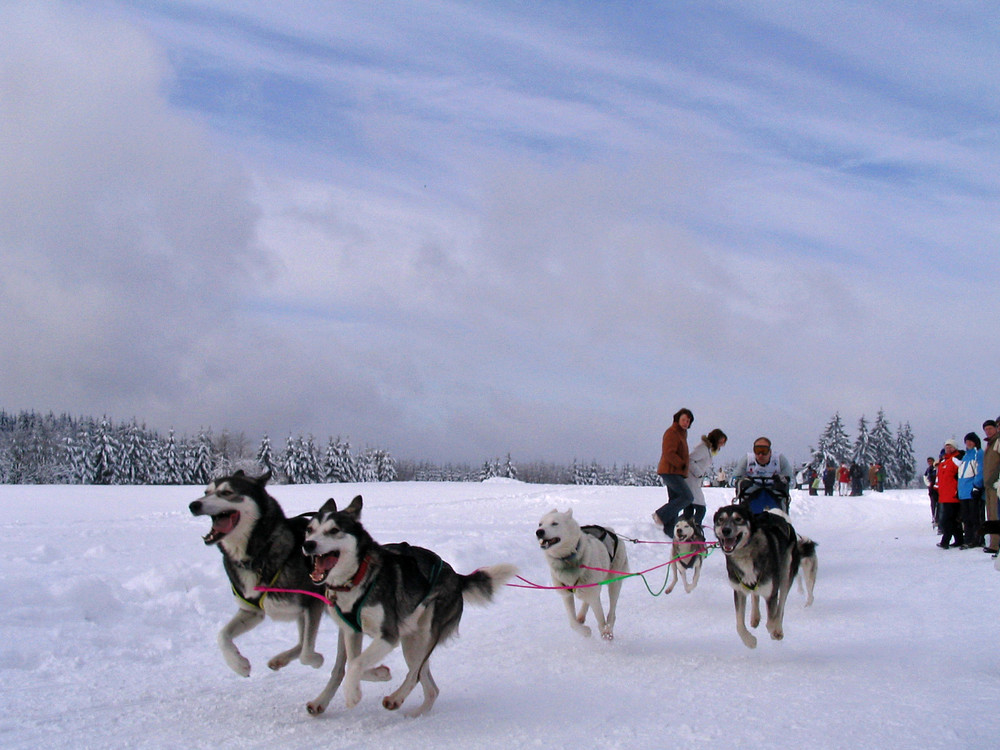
261	547
763	554
393	593
580	559
688	550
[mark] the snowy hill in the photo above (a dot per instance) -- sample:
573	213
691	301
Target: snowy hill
111	605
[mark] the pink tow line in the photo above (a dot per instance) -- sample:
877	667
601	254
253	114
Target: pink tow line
620	573
270	590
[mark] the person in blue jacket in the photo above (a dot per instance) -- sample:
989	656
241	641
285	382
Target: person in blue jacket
970	490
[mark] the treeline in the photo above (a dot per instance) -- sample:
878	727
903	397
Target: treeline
49	449
533	473
875	445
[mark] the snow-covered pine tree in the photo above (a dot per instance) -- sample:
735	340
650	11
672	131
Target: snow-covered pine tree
385	466
202	463
265	454
509	470
881	440
489	470
104	458
904	461
367	466
78	450
310	461
173	468
862	453
135	459
338	463
289	460
834	444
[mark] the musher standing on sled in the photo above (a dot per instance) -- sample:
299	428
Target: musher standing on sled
763	479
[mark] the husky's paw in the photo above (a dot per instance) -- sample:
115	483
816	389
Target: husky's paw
313	660
749	640
580	618
777	634
380	673
754	619
352	695
583	630
315	708
278	662
390	704
607	635
238	663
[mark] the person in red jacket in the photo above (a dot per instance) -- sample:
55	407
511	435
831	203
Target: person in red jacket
673	470
948	504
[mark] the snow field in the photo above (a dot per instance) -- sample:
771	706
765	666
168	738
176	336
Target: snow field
112	604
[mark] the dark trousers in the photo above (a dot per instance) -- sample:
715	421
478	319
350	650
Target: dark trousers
695	512
950	524
678	498
972	518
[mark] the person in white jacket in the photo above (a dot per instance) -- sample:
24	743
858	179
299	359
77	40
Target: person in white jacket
699	467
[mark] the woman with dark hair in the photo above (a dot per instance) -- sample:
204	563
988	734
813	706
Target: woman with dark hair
699	466
673	471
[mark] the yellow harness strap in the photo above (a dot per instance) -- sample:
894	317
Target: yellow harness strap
259	604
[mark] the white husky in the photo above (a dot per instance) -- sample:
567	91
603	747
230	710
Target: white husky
571	551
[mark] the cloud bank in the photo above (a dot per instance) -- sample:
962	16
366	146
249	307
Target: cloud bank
458	231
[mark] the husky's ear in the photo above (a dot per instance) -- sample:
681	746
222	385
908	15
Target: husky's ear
569	513
354	509
238	473
263	479
330	506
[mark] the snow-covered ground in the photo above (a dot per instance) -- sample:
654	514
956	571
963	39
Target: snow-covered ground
111	604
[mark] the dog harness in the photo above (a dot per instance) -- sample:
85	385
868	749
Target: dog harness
257	603
608	537
353	618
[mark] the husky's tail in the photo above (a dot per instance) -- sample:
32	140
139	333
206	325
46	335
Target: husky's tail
808	567
480	586
807	547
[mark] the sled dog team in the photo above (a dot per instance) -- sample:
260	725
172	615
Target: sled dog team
404	595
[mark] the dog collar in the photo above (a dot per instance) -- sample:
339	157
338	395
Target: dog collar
358	577
574	554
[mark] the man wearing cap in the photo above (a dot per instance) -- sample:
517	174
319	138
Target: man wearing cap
991	474
763	478
948	505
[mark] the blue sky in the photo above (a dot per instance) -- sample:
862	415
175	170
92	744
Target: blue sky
457	230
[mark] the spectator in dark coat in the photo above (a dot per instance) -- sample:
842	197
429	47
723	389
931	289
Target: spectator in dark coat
930	482
829	479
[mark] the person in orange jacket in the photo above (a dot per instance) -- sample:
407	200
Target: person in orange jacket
673	471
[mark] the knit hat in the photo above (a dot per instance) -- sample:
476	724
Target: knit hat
952	442
974	438
990	423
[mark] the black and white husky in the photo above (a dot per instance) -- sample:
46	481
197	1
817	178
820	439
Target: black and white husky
577	555
261	547
763	556
395	594
688	551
